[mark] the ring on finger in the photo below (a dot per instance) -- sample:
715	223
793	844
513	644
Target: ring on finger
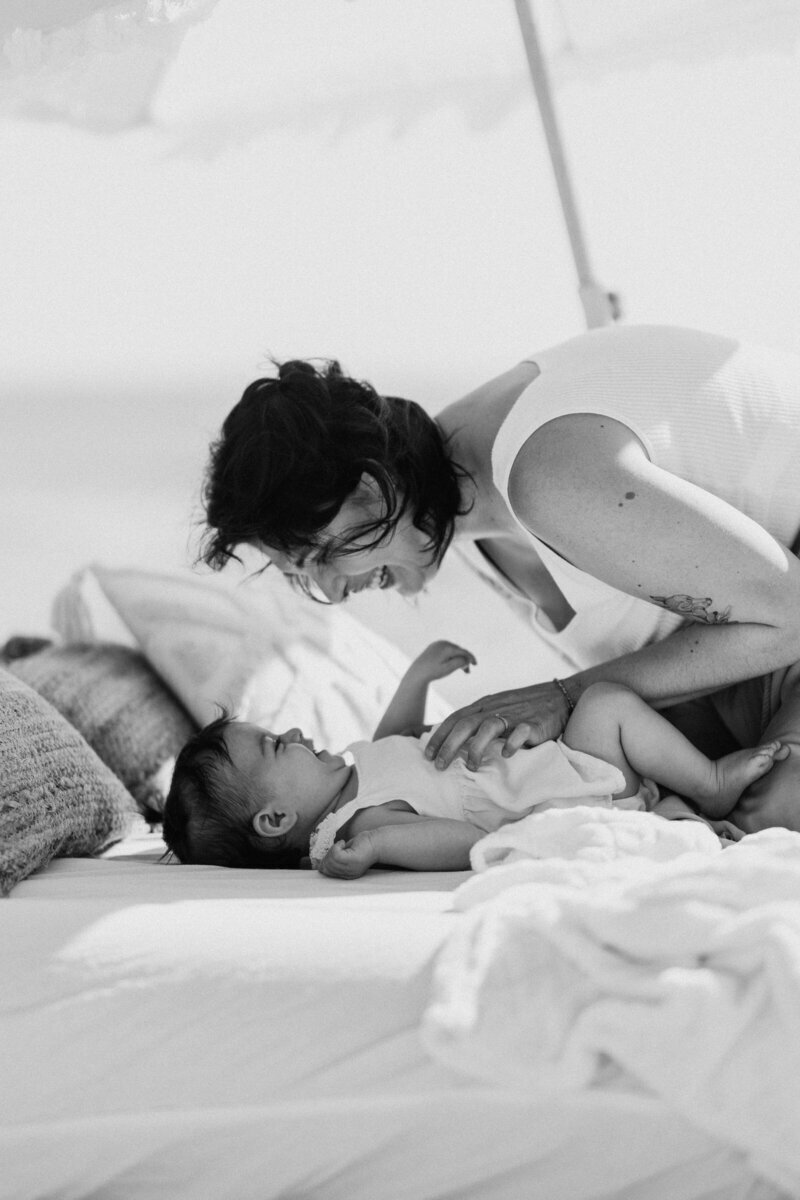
506	726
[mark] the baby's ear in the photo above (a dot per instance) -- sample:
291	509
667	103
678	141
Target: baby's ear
274	820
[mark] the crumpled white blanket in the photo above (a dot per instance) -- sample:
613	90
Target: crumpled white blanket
684	974
584	834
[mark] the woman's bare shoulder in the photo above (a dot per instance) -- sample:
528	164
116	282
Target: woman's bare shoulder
491	402
568	461
471	424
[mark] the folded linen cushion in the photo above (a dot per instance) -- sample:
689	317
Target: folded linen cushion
119	704
57	798
267	653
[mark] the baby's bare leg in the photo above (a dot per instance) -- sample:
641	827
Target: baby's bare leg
596	728
616	725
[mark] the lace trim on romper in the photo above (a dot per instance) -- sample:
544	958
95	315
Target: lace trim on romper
324	835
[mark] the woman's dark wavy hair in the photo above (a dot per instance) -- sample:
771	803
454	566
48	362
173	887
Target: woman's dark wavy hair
294	449
205	820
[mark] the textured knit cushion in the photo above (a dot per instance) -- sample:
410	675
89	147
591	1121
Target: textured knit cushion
56	797
127	715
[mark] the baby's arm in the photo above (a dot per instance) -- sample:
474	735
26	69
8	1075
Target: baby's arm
400	839
406	711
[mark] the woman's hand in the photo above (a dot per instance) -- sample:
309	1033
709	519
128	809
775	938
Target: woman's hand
351	859
524	717
439	660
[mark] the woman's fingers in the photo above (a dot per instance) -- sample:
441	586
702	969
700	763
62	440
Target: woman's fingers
516	739
467	719
473	730
447	739
490	728
525	717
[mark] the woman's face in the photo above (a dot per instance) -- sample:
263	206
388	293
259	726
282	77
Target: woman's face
402	560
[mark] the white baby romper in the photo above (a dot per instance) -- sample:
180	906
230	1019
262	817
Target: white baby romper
503	789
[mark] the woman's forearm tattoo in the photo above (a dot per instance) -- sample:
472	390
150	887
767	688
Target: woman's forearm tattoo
697	608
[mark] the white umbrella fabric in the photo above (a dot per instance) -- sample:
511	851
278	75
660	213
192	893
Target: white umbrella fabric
99	63
589	38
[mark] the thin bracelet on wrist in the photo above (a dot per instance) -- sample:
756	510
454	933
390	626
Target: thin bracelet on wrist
563	688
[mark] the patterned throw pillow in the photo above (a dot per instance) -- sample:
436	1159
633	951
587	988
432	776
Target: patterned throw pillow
119	704
57	798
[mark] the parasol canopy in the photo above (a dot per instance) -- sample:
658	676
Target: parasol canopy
100	64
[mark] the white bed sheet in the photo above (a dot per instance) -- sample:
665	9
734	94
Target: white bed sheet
195	1032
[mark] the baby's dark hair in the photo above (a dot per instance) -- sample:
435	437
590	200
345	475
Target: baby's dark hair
294	449
205	820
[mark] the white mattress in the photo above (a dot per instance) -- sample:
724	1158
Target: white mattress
197	1032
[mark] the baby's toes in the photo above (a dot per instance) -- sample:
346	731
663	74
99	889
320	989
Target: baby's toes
762	758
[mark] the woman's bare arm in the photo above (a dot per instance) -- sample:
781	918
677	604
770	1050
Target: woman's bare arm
584	485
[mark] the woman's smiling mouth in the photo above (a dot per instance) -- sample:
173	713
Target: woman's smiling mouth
377	580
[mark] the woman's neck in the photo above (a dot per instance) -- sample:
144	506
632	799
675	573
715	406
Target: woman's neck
488	515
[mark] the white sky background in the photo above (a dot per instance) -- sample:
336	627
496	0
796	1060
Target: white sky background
365	179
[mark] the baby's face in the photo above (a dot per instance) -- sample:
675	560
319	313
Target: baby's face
284	767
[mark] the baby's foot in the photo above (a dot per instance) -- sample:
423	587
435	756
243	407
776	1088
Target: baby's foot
733	773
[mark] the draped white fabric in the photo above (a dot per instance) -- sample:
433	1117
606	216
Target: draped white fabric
98	63
588	38
682	974
89	61
200	1033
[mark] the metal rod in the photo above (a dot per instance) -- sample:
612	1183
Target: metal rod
597	304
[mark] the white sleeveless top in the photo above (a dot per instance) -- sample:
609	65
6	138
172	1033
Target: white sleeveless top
716	412
551	775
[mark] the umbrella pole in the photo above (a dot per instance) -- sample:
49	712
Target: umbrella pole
599	307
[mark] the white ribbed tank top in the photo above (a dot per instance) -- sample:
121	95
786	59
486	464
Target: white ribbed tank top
716	412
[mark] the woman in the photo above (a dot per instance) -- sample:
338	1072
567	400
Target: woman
637	485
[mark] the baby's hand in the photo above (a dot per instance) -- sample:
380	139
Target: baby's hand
349	860
441	659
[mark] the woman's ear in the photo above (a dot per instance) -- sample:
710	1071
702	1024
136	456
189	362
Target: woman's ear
274	820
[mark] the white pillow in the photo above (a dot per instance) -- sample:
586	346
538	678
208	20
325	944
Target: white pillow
266	652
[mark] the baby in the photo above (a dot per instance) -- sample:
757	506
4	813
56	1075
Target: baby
242	796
